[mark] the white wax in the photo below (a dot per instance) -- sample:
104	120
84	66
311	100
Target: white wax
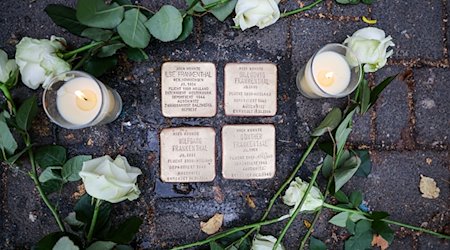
326	64
66	100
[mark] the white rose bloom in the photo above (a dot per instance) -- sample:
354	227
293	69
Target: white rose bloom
7	67
109	180
38	60
370	46
265	242
261	13
294	195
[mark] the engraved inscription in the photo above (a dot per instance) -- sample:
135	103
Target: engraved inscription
188	154
188	89
248	151
250	89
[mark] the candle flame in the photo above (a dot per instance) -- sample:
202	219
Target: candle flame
329	75
80	95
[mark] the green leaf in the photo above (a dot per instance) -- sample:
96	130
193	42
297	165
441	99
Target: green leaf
52	155
350	226
365	96
74	224
341	197
7	141
343	174
230	239
11	160
222	11
197	8
379	88
97	34
343	131
215	246
340	219
137	55
327	147
126	231
84	210
102	245
315	244
48	241
329	123
98	66
188	26
65	17
132	29
26	113
110	50
356	198
378	215
362	239
366	165
383	229
327	167
356	217
73	166
95	13
50	173
123	247
167	24
51	180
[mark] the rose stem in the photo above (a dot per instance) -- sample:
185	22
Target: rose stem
298	209
94	219
307	7
340	209
33	175
226	233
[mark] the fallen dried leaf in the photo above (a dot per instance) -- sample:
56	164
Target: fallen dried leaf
428	187
90	142
81	191
250	201
380	242
307	224
212	225
429	161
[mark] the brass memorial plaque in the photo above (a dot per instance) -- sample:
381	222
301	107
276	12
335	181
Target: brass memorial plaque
188	154
188	89
248	151
250	89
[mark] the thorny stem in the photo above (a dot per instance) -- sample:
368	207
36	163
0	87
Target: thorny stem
298	209
307	7
226	233
34	176
340	209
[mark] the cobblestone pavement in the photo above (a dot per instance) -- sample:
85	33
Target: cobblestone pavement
407	132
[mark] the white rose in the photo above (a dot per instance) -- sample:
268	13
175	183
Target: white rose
370	47
109	180
7	67
38	60
294	195
265	242
261	13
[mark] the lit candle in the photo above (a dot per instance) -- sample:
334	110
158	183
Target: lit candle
328	74
79	100
75	100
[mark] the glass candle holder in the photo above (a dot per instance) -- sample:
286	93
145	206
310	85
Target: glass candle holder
332	72
75	100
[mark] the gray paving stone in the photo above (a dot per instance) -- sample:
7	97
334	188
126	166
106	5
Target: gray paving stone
396	173
431	107
414	25
392	109
360	134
